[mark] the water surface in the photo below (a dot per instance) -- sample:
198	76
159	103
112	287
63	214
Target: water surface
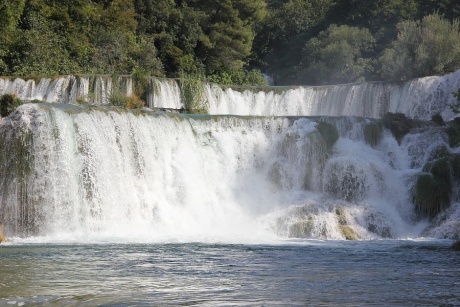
382	272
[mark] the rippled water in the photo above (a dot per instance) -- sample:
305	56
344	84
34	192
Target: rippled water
389	272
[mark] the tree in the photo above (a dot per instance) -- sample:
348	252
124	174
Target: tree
10	12
423	48
229	29
282	34
337	55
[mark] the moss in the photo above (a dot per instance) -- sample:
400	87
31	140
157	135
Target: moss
398	124
439	152
301	229
373	133
346	230
329	134
431	195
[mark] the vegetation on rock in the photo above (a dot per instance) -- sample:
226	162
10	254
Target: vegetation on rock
192	94
398	124
329	133
433	188
346	230
8	103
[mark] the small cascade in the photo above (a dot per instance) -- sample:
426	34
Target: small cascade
419	98
67	89
164	94
87	172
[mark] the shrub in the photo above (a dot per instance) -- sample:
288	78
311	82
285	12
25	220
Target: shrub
431	196
192	93
433	188
422	48
8	103
134	102
129	102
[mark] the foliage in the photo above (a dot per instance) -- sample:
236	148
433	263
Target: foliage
433	188
141	82
427	47
192	93
337	55
232	41
329	134
8	103
129	102
251	78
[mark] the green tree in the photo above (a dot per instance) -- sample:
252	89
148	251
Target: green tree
427	47
229	29
337	55
10	12
282	34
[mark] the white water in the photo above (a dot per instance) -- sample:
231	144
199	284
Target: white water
418	98
66	89
113	175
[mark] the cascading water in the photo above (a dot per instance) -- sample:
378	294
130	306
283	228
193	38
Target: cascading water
86	173
419	98
67	89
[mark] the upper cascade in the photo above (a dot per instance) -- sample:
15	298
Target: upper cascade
419	98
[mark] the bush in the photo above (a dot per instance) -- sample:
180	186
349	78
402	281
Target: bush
423	48
337	55
431	196
129	102
8	103
192	93
433	188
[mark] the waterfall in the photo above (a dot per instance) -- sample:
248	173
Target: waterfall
102	172
67	89
419	98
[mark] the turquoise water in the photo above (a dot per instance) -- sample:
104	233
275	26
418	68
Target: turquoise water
316	273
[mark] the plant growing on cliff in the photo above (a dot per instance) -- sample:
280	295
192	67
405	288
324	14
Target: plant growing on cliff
129	102
433	188
192	93
8	103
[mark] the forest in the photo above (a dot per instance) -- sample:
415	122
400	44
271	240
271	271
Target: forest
311	42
